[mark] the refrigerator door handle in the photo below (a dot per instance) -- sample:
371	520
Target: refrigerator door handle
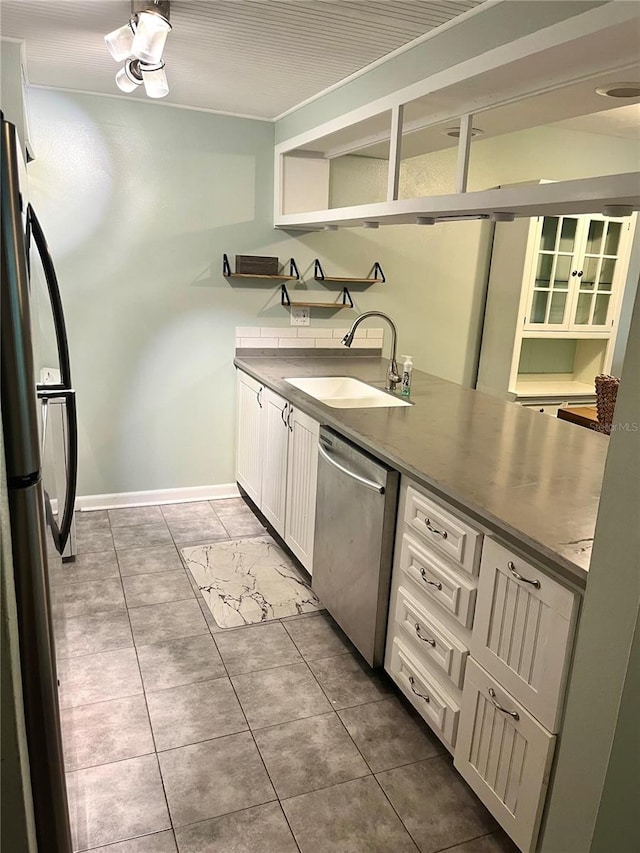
61	532
34	229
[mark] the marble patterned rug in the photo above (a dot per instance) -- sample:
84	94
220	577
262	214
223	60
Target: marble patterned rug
245	581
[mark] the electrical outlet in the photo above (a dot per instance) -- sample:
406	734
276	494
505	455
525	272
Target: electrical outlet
299	316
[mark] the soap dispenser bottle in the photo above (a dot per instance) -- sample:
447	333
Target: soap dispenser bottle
407	370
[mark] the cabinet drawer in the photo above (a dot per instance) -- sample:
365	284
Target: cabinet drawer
504	754
452	591
436	643
424	692
443	530
523	631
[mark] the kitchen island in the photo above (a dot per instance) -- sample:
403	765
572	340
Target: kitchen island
533	479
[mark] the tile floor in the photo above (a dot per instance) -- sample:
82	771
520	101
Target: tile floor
270	738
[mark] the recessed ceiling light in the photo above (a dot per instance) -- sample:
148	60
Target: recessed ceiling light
455	132
620	90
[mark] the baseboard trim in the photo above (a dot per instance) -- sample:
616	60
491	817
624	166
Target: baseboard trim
120	500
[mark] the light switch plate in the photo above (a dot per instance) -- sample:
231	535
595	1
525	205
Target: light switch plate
300	316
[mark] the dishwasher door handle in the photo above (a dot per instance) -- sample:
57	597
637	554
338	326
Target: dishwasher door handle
376	487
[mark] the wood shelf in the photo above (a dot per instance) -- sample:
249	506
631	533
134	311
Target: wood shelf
287	302
356	280
293	275
317	305
378	276
270	277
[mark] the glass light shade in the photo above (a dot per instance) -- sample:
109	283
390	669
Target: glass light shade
119	42
127	81
151	34
155	82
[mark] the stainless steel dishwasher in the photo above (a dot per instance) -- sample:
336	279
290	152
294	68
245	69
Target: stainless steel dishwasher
355	523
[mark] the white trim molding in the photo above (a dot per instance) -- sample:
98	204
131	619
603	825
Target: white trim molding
157	496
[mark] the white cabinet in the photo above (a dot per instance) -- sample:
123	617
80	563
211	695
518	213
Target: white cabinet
523	631
277	463
578	273
554	297
433	594
504	754
302	475
251	436
479	641
274	470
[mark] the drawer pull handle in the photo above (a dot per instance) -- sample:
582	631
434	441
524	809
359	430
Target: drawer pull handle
437	584
421	695
514	714
535	584
435	530
424	639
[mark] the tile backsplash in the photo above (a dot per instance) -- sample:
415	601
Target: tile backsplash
304	337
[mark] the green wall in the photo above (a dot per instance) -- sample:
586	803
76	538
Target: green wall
139	201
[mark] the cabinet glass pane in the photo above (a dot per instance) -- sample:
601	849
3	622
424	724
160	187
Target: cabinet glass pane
539	306
613	238
549	231
594	239
589	274
568	235
563	271
583	308
558	302
600	311
543	274
606	273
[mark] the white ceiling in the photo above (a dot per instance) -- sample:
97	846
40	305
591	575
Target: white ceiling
247	57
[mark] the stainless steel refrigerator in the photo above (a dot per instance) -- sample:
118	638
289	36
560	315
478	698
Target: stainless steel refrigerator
40	525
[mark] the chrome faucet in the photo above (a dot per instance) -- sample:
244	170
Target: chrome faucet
393	376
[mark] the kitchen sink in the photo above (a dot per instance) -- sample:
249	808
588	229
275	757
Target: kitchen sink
345	392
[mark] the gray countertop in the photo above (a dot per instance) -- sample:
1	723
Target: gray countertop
534	479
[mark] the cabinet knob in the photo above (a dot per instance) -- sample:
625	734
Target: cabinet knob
435	530
492	694
424	639
519	577
421	695
437	584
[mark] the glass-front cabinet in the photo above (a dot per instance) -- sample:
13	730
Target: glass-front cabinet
578	273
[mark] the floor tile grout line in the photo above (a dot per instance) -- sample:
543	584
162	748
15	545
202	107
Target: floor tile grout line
255	743
395	811
153	737
237	812
468	841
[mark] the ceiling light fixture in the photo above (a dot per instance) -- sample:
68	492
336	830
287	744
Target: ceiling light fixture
619	90
454	132
140	43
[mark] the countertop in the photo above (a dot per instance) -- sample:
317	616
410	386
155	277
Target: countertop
533	479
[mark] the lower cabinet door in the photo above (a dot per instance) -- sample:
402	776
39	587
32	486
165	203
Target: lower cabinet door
274	477
523	631
250	436
302	477
504	754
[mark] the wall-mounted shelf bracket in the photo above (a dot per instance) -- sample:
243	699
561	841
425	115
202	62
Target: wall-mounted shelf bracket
293	275
376	276
285	300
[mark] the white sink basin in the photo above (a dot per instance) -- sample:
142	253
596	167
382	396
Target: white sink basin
344	392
